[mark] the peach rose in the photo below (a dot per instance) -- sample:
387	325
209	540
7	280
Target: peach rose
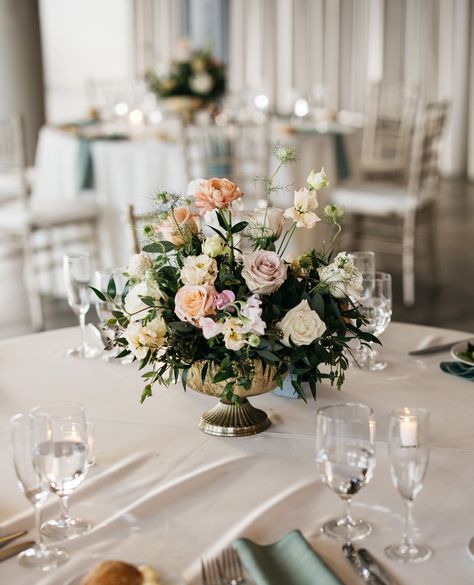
216	193
194	301
187	226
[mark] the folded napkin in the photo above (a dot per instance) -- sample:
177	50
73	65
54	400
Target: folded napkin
290	561
458	369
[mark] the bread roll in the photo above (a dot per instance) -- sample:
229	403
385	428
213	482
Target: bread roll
113	573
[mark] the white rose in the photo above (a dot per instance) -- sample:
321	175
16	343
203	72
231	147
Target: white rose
201	83
134	304
142	338
214	246
302	325
265	223
199	270
139	264
306	219
305	200
318	180
341	277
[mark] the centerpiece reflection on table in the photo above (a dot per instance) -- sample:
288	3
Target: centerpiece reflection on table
219	306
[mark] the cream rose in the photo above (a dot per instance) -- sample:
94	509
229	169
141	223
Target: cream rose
194	301
341	277
301	325
199	270
142	338
138	265
265	223
264	272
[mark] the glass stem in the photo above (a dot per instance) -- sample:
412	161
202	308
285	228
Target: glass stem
64	504
347	511
82	323
408	540
38	521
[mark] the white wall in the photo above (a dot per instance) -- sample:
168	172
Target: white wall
83	39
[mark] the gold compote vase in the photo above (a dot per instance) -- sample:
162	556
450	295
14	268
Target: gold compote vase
229	419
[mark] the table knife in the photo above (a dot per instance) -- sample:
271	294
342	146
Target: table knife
362	568
434	348
4	540
11	551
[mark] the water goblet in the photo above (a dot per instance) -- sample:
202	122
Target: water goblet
104	309
375	304
60	455
36	491
408	449
77	276
345	454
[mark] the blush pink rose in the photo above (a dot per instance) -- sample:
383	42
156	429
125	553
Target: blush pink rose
193	302
187	223
263	271
224	298
216	193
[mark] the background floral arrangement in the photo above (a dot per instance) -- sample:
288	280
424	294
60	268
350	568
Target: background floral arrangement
222	292
197	74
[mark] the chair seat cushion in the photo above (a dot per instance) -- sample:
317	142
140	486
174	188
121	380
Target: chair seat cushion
374	199
14	217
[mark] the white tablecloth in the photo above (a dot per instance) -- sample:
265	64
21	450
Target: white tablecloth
162	491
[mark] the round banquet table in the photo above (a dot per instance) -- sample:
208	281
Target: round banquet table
164	492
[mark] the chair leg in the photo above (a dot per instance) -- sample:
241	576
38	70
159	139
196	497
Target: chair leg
432	243
34	294
408	260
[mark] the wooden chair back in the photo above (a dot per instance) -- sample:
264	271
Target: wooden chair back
13	152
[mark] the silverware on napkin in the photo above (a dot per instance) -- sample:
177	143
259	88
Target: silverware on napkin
12	551
4	540
366	566
435	348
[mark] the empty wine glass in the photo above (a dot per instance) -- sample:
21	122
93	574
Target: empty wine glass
408	449
60	452
104	308
375	305
345	454
77	274
36	491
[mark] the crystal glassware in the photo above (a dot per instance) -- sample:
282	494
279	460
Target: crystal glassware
36	491
408	448
77	274
345	454
375	304
60	455
104	309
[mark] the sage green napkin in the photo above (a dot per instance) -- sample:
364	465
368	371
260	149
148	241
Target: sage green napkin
290	561
458	369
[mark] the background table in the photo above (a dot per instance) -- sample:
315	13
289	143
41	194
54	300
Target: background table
163	491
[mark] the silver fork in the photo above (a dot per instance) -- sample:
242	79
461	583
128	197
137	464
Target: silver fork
211	572
232	570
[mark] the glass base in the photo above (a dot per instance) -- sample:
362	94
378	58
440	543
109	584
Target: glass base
65	529
43	559
406	554
86	352
345	530
376	366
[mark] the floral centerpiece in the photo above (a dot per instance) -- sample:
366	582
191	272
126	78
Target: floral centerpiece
194	79
214	301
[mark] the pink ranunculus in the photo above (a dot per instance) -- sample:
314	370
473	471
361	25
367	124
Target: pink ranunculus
216	193
210	328
179	226
194	301
224	298
263	271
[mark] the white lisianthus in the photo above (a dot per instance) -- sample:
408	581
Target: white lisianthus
341	277
214	246
199	270
201	83
134	305
305	200
307	219
318	180
142	338
138	265
302	325
233	337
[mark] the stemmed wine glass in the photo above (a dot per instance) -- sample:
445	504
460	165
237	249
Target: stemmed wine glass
104	308
39	556
77	274
345	454
408	449
60	455
375	305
